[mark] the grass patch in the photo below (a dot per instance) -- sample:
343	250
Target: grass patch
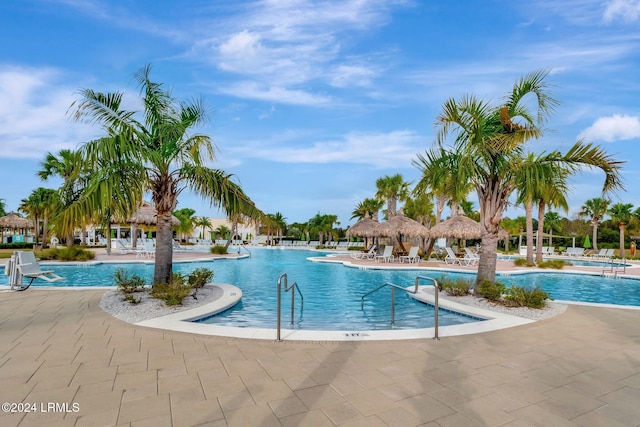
73	253
218	250
553	263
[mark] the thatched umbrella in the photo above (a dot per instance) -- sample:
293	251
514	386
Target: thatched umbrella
147	215
366	227
14	221
401	225
461	227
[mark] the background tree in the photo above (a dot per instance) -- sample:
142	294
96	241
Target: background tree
40	205
222	232
3	207
621	213
392	189
595	209
204	222
187	221
368	208
159	155
552	221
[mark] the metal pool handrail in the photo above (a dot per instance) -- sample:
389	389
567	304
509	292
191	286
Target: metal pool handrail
393	296
436	290
293	295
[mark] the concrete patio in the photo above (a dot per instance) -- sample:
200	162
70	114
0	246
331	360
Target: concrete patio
580	368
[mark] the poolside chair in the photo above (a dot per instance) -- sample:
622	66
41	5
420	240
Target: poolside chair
471	257
148	250
452	258
412	256
365	255
176	246
121	246
27	266
387	255
601	254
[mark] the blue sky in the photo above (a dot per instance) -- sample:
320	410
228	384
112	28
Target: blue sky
312	101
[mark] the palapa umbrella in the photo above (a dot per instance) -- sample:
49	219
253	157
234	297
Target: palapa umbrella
461	227
146	214
366	227
400	225
13	221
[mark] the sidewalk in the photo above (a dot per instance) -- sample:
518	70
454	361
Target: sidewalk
59	347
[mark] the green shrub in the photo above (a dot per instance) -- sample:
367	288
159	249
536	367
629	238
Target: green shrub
455	288
355	248
129	284
218	250
521	296
73	253
553	263
491	290
522	262
174	292
198	278
16	245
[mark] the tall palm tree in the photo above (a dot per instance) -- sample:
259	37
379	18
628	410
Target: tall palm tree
40	205
553	221
595	209
391	189
368	208
222	231
621	213
187	221
157	153
66	165
3	207
490	140
204	222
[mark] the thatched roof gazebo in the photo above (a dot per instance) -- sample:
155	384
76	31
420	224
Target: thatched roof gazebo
147	214
398	226
461	227
14	221
366	227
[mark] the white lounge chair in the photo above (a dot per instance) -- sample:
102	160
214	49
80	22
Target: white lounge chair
28	267
601	254
176	246
370	254
148	250
121	246
412	256
452	259
471	257
387	255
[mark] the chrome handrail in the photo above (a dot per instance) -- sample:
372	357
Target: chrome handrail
436	290
393	297
293	294
245	248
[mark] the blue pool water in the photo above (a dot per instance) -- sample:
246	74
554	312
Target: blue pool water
333	292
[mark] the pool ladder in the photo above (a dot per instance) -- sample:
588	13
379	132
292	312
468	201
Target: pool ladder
614	268
393	286
281	279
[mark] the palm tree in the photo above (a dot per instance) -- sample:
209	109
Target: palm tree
621	213
321	225
187	221
281	223
595	209
41	204
553	221
66	165
490	140
222	231
368	208
203	222
3	207
157	154
391	189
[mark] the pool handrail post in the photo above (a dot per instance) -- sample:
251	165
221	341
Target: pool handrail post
393	297
293	294
436	290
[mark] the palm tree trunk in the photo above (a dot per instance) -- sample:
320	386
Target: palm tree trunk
488	257
528	207
621	239
44	231
594	236
164	249
541	209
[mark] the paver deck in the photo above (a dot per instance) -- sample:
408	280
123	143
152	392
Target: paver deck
59	347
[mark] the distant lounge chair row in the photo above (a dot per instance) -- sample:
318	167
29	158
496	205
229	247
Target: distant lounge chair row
603	254
574	252
453	259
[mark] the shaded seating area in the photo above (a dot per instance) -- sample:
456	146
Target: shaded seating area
24	264
370	254
453	259
412	256
387	255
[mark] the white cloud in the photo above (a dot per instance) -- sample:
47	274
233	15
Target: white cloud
282	95
378	149
33	120
614	128
628	10
352	75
